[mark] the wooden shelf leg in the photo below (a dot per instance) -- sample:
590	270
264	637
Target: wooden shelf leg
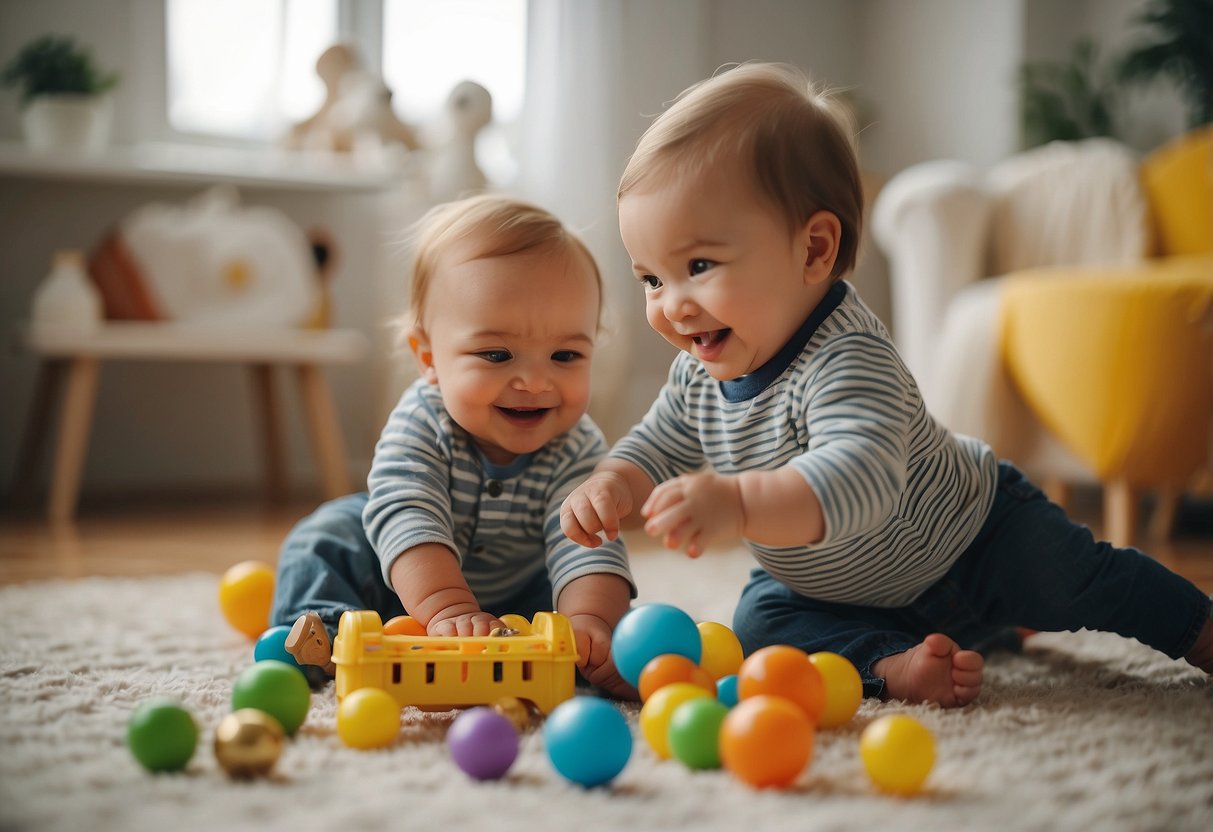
1058	491
1119	512
46	393
72	446
328	444
1166	507
269	415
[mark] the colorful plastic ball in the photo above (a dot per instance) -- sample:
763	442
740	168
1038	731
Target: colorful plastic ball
587	740
726	690
483	743
272	645
844	688
276	688
766	741
651	630
248	743
669	668
245	593
368	718
782	670
403	625
898	753
656	714
722	653
694	734
161	735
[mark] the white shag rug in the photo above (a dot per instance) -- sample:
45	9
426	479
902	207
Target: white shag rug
1083	731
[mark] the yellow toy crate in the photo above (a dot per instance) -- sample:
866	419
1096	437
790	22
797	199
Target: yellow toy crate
442	672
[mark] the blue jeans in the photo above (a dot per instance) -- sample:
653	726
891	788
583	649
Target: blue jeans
1029	566
327	566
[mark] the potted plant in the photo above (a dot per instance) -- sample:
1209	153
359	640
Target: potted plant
1181	49
64	105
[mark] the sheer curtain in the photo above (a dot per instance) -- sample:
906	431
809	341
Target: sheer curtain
597	71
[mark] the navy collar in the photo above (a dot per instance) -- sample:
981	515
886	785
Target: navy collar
750	385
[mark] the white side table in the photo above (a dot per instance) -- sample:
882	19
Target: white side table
71	362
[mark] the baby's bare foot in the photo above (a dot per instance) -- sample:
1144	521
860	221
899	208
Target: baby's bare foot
1201	653
935	671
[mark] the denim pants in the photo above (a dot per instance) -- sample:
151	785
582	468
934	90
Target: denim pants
327	566
1029	566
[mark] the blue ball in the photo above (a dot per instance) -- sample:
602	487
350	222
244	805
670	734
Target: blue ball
587	740
649	631
272	645
726	690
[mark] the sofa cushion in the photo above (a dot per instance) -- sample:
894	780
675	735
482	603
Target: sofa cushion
1178	180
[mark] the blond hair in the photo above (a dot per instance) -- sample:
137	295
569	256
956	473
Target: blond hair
494	226
793	139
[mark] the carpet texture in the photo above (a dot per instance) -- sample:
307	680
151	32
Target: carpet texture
1082	731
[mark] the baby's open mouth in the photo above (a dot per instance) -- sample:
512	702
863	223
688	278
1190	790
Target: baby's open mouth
710	339
523	415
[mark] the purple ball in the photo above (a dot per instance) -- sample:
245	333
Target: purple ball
483	743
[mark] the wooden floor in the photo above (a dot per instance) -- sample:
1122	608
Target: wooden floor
167	535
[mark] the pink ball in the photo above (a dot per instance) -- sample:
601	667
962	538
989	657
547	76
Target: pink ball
483	743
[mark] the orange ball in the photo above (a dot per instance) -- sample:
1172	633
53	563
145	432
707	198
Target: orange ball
246	591
403	625
766	741
669	668
782	670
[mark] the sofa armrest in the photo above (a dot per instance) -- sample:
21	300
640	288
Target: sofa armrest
931	221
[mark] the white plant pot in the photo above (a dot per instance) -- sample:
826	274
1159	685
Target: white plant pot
68	123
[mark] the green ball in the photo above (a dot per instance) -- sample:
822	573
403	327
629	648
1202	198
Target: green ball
694	732
276	688
162	735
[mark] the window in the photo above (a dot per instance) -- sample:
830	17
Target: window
245	69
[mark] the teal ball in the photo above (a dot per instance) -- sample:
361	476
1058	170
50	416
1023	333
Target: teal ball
272	645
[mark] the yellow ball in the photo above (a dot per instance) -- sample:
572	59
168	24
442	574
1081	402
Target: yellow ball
657	711
844	688
368	718
245	594
898	752
722	653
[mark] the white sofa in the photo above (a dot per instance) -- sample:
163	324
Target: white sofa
950	232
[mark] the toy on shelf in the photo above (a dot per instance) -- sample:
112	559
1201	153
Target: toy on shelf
454	171
443	672
356	115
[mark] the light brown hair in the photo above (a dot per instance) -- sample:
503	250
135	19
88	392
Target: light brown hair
794	140
498	226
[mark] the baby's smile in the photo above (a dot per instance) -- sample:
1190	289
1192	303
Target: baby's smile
523	416
710	344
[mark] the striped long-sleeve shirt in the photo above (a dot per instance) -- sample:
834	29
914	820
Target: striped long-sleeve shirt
901	495
430	484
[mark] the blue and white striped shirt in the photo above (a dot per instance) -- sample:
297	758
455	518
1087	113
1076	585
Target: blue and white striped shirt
429	483
902	496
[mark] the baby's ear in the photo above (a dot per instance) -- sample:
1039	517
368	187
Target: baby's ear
420	345
821	238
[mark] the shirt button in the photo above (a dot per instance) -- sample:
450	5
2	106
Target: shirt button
494	488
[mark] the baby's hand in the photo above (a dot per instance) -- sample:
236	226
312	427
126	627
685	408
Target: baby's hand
593	637
468	624
597	505
690	511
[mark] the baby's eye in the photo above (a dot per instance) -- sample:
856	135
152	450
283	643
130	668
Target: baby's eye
495	356
565	356
651	281
699	265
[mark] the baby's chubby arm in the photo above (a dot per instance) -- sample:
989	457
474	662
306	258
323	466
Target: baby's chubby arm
594	604
604	502
433	590
774	508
